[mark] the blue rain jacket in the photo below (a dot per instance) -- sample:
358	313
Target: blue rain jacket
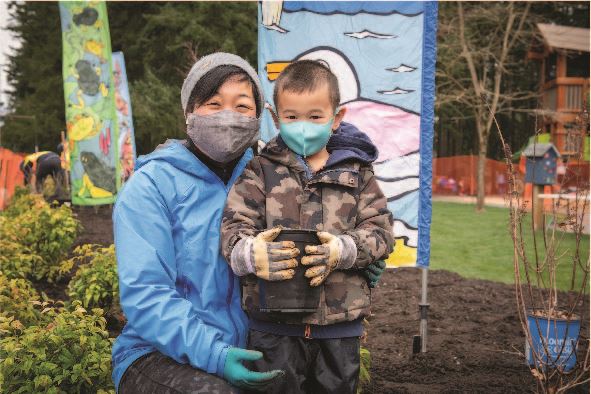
178	293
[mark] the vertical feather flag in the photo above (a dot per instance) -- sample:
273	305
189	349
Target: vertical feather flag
90	103
126	143
383	54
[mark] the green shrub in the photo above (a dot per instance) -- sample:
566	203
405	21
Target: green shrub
21	202
17	261
95	283
72	354
18	299
43	231
364	367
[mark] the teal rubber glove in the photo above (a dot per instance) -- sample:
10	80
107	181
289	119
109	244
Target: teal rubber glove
373	272
238	375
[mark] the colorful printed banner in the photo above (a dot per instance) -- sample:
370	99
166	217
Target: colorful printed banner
383	54
90	103
127	153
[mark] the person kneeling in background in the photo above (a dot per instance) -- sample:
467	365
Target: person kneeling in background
36	167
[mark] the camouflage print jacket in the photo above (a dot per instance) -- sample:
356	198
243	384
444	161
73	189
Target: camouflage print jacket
276	189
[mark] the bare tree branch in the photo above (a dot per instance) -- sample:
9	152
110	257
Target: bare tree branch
466	52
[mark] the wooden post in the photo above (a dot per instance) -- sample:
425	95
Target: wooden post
63	159
537	207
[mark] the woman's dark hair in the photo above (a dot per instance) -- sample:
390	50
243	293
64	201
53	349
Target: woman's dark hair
211	81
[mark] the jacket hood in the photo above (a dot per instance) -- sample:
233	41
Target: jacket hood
179	156
346	143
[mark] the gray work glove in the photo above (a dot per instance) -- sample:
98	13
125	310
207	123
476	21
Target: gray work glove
272	261
335	252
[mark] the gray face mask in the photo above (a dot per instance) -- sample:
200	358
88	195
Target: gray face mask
224	135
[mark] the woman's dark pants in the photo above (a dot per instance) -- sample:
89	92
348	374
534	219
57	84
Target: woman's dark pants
157	373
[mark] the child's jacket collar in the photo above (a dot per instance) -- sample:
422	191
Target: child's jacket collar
344	173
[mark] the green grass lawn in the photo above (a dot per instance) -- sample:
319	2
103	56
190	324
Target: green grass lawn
478	245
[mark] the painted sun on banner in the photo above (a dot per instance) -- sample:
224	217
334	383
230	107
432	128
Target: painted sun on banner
383	54
90	103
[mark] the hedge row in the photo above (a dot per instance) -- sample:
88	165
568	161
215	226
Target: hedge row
53	346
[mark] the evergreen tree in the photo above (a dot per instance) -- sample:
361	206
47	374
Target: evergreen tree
34	71
159	41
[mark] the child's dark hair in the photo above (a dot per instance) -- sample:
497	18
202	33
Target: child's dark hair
306	76
211	81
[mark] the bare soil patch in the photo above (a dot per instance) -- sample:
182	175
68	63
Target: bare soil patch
474	343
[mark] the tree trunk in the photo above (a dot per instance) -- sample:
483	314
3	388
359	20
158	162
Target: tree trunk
482	148
480	179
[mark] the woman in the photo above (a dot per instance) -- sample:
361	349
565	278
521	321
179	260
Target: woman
185	327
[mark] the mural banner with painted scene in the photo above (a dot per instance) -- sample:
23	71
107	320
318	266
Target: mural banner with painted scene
383	54
126	143
91	120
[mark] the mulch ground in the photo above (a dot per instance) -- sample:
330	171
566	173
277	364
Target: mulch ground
475	342
97	225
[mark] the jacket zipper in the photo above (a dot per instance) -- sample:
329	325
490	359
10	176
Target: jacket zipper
230	273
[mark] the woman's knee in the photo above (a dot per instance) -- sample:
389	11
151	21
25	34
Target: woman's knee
158	373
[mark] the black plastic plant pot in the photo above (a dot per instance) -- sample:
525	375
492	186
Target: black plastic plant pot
294	295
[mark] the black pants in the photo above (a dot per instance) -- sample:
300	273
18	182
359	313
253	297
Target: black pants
48	164
157	373
313	366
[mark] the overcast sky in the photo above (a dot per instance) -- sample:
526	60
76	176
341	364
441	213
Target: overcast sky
6	41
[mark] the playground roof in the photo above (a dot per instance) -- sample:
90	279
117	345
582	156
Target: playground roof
565	37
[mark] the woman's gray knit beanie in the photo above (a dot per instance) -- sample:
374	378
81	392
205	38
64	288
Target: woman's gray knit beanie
209	62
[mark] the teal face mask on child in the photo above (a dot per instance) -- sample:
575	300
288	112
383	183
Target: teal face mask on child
305	138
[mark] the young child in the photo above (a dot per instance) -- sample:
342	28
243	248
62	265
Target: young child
316	174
